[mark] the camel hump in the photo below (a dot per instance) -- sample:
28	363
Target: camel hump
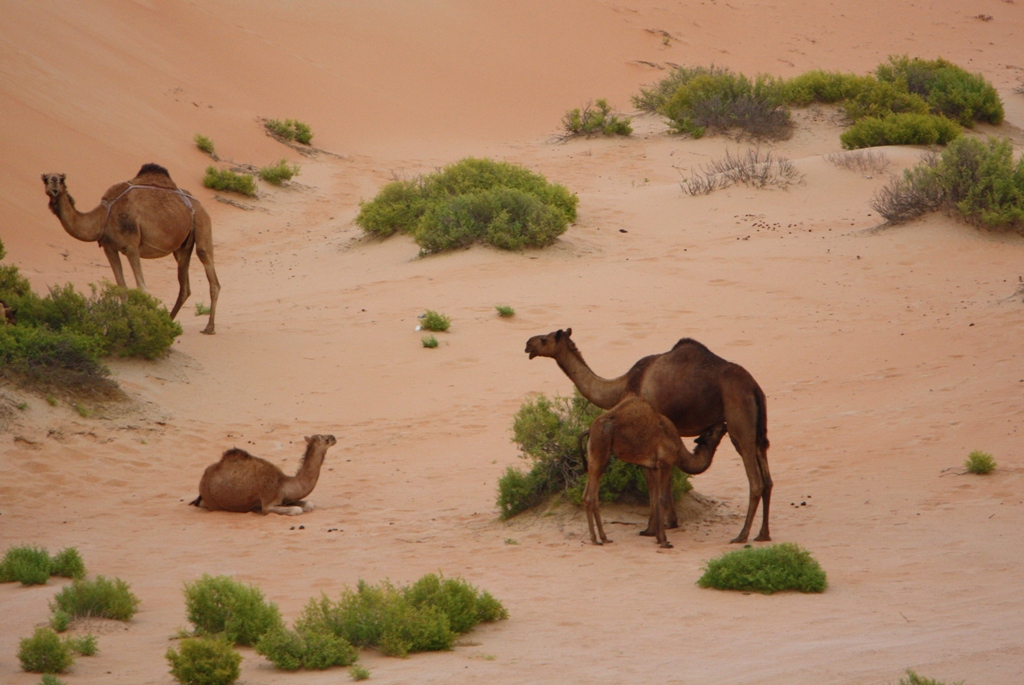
154	175
235	454
690	342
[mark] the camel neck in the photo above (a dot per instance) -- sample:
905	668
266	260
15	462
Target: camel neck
86	227
602	392
302	483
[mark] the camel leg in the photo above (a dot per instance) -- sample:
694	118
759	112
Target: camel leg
598	454
280	509
132	253
305	505
668	503
114	257
204	250
743	439
662	473
766	495
183	255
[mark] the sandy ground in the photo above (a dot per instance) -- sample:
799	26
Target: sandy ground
886	356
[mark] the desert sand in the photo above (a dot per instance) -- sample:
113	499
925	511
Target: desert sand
886	355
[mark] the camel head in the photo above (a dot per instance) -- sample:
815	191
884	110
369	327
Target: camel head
326	440
548	345
55	184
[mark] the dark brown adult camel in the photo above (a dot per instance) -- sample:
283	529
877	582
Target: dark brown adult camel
697	390
146	218
637	434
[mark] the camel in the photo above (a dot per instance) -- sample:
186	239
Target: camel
637	434
242	482
697	390
147	217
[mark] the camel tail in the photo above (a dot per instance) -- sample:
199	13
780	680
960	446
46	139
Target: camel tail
762	419
196	502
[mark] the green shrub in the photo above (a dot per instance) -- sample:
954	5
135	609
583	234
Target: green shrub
229	181
220	604
881	99
290	129
548	433
900	129
101	597
822	86
204	144
948	89
44	652
976	178
595	119
60	620
769	569
25	564
980	463
290	650
84	645
473	200
278	173
914	679
980	179
724	101
429	341
358	673
505	311
204	661
202	309
426	616
67	563
51	358
50	679
653	98
435	321
130	322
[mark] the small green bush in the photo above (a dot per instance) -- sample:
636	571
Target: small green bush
205	144
291	650
220	604
822	86
595	119
881	99
429	341
229	181
914	679
900	129
505	311
44	652
26	564
548	434
948	89
653	98
277	174
202	309
204	661
50	679
724	101
473	200
84	645
980	463
769	569
101	598
60	620
290	129
435	321
426	616
67	563
976	178
358	673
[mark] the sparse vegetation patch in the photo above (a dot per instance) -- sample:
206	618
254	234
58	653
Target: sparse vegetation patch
102	598
505	311
435	321
755	168
769	569
229	181
864	161
290	129
205	144
277	174
595	119
31	565
474	200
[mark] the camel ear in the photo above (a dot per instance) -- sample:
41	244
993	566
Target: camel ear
558	335
568	332
62	177
309	439
44	177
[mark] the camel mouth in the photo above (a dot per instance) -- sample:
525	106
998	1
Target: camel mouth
531	352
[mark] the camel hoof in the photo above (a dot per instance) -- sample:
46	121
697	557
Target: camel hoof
308	506
207	331
738	540
763	538
666	545
646	532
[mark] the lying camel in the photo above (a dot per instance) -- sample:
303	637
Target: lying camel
242	482
697	390
637	434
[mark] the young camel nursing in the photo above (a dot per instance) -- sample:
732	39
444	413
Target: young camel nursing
697	390
147	217
242	482
637	434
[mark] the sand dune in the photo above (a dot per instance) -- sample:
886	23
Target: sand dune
886	356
